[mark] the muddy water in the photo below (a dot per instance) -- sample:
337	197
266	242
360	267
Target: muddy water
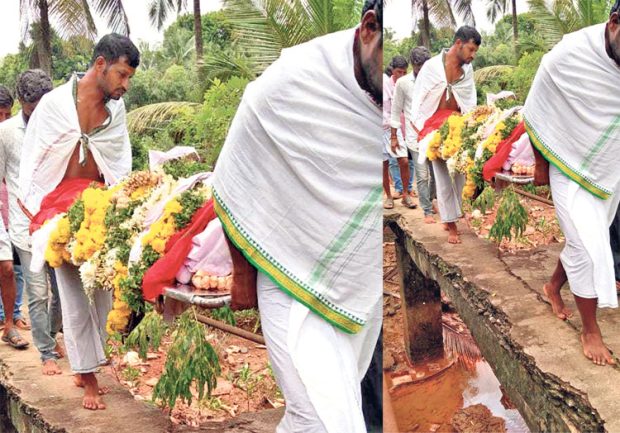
430	405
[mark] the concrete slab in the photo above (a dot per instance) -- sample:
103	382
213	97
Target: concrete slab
537	357
33	403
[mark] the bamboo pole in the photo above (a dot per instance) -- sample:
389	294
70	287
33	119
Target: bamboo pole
231	329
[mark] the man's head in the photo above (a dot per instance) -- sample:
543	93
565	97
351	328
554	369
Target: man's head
114	62
371	48
6	103
467	40
418	56
399	67
612	33
30	88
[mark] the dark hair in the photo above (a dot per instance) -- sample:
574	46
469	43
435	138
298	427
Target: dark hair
32	85
114	46
388	70
399	62
6	99
419	55
468	33
377	6
615	7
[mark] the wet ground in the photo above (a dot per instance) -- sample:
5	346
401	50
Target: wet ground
426	397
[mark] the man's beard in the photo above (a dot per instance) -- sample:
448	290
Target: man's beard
613	50
375	92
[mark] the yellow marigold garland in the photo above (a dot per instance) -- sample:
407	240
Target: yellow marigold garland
118	317
56	252
163	228
453	141
92	233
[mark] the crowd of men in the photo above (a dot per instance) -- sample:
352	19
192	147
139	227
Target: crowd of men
574	134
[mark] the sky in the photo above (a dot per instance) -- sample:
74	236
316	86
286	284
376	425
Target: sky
397	16
137	12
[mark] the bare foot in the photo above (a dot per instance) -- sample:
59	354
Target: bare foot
595	350
60	350
453	234
77	379
50	367
92	394
428	219
445	226
557	303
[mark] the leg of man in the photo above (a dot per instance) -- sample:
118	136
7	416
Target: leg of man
552	292
37	291
422	176
614	238
449	198
84	331
395	174
55	311
322	393
583	263
8	290
389	201
19	295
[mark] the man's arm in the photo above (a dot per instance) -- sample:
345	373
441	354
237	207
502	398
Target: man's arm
541	170
398	103
6	253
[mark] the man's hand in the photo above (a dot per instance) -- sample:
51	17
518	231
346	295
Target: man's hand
394	144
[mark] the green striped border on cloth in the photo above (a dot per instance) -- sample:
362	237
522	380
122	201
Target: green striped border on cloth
564	167
290	284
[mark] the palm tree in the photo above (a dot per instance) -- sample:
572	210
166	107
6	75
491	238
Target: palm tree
160	9
262	28
73	17
497	9
566	16
441	12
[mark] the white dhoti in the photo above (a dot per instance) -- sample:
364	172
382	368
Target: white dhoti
83	323
318	367
449	192
586	257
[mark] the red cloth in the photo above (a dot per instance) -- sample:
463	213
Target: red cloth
435	121
494	164
59	200
163	272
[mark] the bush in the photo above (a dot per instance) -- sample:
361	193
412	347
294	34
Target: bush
523	75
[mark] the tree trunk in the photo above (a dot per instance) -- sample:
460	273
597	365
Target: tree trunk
44	50
426	23
515	29
198	31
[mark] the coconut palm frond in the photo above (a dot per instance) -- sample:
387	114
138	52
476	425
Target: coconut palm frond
114	13
461	345
551	28
225	65
156	116
496	9
491	72
159	10
465	10
73	18
440	14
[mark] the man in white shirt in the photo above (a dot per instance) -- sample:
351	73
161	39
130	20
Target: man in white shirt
401	102
31	86
399	69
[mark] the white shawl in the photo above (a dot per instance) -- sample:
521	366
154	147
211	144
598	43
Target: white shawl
51	136
430	85
572	112
297	185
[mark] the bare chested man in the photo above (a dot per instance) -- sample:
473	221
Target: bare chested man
446	85
79	134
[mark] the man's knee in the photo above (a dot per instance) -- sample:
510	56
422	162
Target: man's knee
7	273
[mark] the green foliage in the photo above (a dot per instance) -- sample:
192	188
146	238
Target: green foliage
178	168
224	314
511	218
130	374
523	75
511	123
147	335
190	201
76	215
191	360
214	119
486	199
131	286
247	380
